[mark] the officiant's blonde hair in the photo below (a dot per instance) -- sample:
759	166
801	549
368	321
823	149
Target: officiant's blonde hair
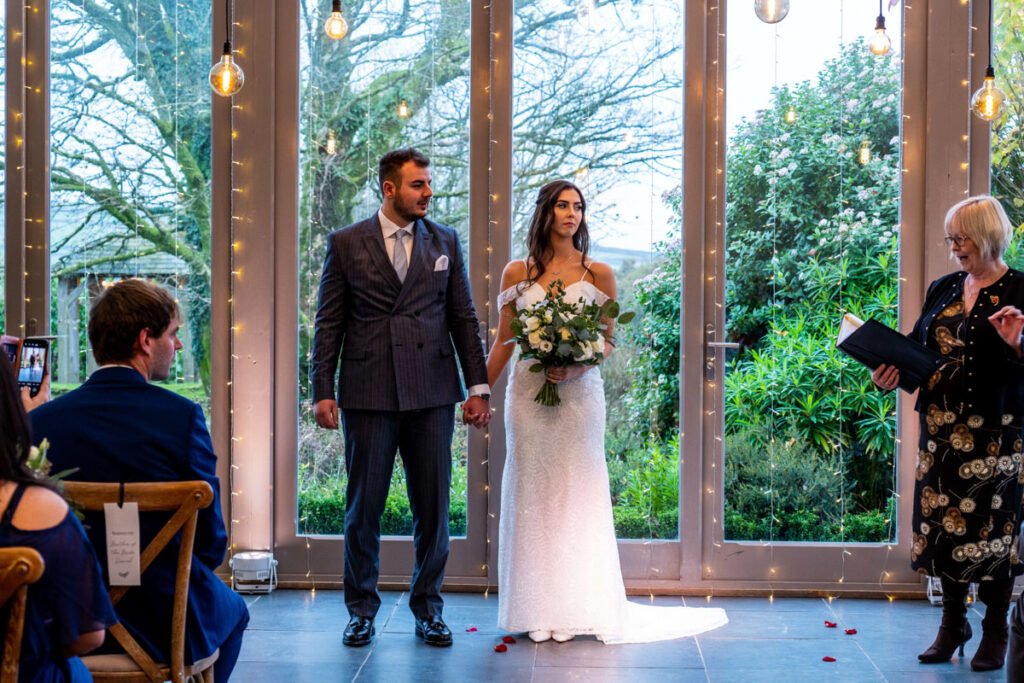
983	219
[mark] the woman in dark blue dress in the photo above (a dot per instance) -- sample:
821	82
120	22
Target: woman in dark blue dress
68	609
970	480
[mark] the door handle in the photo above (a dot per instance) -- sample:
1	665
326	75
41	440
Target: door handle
709	357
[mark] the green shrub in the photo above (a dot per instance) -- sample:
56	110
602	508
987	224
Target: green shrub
784	490
632	523
647	505
322	512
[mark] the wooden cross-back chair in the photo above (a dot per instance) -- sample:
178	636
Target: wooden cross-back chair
19	566
184	499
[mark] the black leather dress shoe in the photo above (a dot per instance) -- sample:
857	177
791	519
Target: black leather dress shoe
434	631
359	632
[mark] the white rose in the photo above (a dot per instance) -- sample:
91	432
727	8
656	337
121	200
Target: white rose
534	339
532	324
599	344
588	351
546	347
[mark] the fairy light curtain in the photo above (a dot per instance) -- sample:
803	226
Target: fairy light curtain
812	169
597	100
130	168
1007	130
398	77
3	131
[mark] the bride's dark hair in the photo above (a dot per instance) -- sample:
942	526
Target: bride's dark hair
538	240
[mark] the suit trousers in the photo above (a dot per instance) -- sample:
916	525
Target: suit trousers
424	440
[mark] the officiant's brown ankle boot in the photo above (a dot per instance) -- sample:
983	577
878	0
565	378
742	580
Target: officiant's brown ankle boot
955	630
991	652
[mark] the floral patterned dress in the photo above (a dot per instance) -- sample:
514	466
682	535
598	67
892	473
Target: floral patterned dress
969	477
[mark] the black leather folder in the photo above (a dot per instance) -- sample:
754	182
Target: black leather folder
872	343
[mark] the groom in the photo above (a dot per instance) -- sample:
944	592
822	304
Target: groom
395	303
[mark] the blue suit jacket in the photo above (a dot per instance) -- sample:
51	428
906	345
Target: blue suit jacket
397	340
118	427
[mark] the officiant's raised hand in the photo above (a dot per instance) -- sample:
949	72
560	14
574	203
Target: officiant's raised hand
1009	323
476	411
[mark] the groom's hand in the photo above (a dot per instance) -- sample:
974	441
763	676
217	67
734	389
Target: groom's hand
326	413
476	411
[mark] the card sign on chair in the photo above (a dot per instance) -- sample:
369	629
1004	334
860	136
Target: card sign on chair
184	499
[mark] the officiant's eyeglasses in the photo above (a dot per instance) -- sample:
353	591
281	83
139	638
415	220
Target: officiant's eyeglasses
959	239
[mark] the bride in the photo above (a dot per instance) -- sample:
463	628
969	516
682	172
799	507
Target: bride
558	562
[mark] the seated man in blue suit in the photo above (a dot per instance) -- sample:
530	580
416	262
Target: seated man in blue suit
117	427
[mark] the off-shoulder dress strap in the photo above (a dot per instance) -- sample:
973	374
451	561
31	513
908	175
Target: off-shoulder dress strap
512	293
509	295
599	296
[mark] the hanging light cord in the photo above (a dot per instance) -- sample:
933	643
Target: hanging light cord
989	71
227	27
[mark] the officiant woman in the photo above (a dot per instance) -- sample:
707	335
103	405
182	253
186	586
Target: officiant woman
967	497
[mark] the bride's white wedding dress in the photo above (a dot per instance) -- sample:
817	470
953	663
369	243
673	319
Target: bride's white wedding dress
558	562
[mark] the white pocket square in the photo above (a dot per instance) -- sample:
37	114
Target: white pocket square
441	263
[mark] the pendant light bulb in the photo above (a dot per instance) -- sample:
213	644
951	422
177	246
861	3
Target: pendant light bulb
791	114
332	143
771	11
987	102
403	110
336	27
226	77
880	44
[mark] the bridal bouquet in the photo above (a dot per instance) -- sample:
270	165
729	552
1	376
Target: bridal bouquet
557	332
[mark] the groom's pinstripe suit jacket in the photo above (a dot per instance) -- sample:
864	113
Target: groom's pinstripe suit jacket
397	341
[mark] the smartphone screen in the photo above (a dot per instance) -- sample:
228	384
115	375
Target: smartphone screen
32	365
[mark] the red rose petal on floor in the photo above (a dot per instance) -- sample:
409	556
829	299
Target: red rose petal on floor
851	631
830	624
826	658
508	639
501	647
471	629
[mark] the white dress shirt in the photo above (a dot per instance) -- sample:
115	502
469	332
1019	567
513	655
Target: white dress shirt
389	228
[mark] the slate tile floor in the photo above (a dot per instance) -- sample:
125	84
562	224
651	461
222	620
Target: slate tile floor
295	637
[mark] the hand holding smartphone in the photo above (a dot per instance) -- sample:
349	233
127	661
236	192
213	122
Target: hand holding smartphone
32	365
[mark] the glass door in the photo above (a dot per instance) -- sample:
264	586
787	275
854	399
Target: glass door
802	485
398	77
597	100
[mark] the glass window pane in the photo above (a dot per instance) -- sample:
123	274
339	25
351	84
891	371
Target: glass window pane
130	170
3	180
1008	129
598	100
812	178
400	78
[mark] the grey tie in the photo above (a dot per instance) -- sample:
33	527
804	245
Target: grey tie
401	259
